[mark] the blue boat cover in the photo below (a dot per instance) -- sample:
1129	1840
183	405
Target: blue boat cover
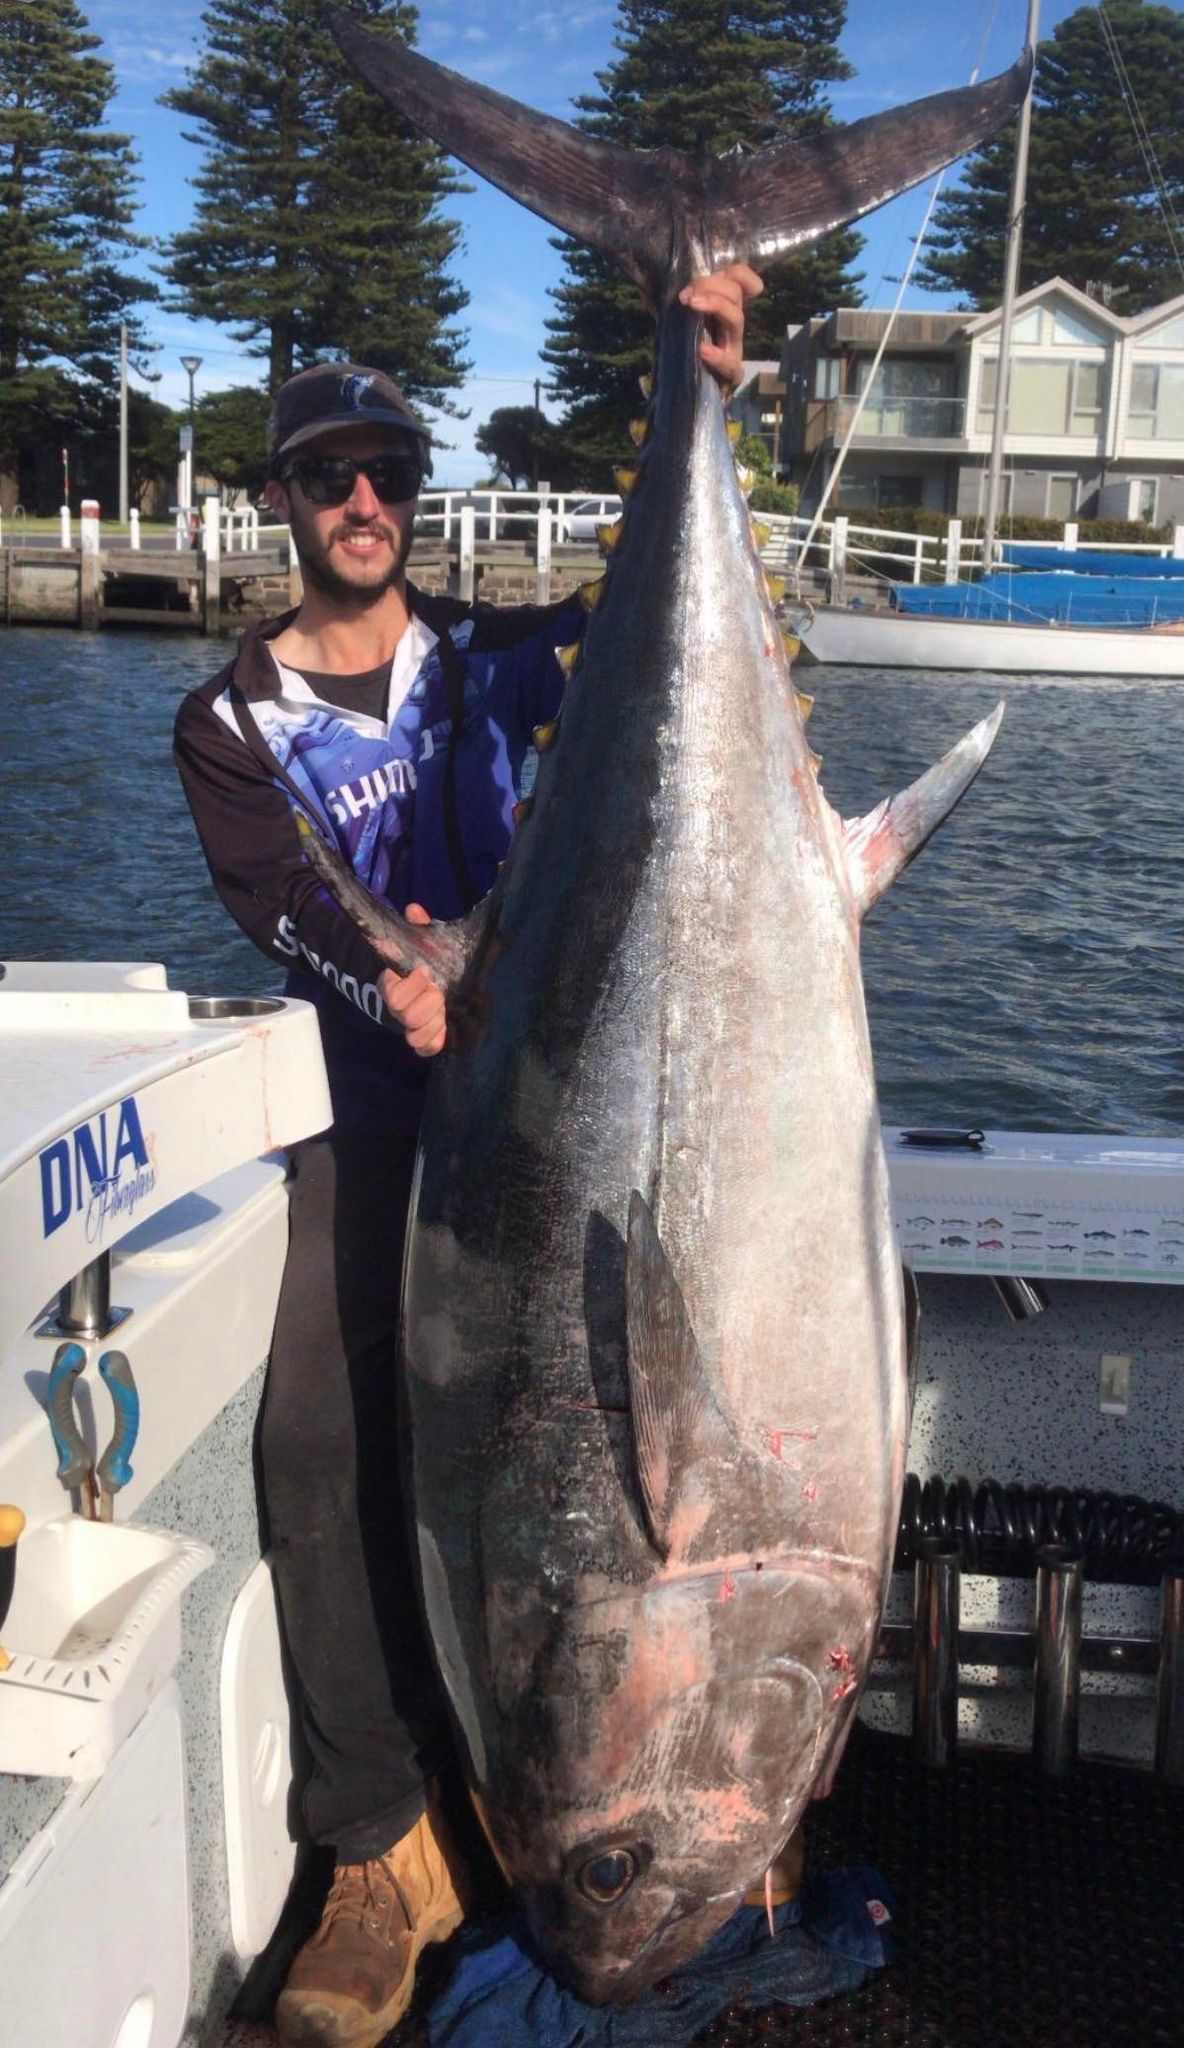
828	1940
1029	599
1085	562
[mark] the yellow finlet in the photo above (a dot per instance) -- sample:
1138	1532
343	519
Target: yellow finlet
761	533
805	704
567	657
608	536
776	586
589	593
746	478
626	477
545	736
735	431
638	429
647	385
522	811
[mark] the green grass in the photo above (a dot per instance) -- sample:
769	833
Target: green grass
13	528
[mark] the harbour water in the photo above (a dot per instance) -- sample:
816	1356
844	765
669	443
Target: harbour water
1027	971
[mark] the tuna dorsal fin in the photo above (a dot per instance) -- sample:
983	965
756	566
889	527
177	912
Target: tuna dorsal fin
664	213
883	842
677	1424
442	948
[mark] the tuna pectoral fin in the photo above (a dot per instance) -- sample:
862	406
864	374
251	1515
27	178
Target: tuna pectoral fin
879	845
676	1422
662	213
442	949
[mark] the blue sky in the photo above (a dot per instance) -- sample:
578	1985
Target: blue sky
543	54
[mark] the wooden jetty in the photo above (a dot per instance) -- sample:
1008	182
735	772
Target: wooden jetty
103	583
214	588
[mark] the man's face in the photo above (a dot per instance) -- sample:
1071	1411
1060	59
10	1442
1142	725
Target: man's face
354	552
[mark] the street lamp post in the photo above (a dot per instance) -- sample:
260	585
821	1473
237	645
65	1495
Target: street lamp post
191	364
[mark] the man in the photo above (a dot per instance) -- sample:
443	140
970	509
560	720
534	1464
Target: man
399	724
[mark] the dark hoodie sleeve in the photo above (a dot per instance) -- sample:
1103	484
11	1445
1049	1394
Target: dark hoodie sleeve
245	825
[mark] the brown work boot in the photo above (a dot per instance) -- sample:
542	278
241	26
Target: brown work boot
783	1879
353	1979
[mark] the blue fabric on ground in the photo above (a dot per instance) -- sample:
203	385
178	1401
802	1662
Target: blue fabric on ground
828	1940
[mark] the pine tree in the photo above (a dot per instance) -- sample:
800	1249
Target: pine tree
1092	215
66	207
694	74
316	231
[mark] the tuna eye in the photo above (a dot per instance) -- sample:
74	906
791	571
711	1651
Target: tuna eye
607	1878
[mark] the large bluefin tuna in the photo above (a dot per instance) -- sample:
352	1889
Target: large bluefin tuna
655	1329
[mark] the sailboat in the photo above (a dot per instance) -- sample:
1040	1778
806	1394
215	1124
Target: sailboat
977	627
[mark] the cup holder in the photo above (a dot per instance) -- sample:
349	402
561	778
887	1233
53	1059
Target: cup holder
222	1009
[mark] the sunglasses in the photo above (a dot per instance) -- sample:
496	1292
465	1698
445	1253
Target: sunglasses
330	479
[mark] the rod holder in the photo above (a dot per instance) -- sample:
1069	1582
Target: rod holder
1059	1574
84	1306
1169	1690
1022	1299
936	1583
84	1303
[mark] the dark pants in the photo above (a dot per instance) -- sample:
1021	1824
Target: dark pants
371	1707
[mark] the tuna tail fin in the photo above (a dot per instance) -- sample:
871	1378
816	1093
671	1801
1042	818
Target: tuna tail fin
443	949
677	1424
663	214
883	842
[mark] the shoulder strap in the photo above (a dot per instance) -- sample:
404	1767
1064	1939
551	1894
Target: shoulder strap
454	676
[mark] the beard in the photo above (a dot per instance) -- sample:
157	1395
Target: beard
317	567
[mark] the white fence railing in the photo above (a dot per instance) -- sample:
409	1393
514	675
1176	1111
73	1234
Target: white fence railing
464	518
839	546
239	529
504	515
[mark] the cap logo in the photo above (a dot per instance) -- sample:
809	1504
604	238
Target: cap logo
353	391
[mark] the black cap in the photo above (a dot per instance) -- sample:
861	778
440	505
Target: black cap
334	395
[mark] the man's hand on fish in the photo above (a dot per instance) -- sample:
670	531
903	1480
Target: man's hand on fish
721	298
414	1001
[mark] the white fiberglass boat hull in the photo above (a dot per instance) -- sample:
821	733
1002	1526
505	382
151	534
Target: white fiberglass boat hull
867	639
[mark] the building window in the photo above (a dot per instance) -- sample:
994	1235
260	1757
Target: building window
1170	336
909	398
856	491
895	491
827	375
1062	497
1157	402
1146	498
1047	397
859	491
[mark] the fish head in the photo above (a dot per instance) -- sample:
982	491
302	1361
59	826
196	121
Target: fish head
664	1753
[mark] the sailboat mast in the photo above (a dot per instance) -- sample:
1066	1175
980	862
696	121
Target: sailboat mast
1011	272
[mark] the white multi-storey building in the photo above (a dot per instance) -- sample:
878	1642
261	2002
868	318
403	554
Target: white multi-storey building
1096	414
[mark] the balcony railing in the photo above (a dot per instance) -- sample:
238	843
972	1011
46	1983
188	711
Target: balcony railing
899	419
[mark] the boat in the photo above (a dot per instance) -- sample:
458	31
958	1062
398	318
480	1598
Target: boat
1054	624
148	1830
865	638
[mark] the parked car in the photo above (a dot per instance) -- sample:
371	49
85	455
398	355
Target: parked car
580	521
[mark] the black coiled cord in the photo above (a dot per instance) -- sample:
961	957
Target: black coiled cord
1125	1540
